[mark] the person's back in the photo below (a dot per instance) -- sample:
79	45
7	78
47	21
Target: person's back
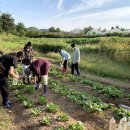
5	62
40	66
65	54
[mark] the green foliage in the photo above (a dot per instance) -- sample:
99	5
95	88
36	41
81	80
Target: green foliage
28	103
29	89
76	126
36	111
53	108
120	113
46	121
42	100
6	23
62	117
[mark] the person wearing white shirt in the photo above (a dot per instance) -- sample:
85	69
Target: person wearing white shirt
65	56
75	60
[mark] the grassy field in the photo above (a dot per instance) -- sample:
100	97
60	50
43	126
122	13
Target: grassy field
108	57
73	99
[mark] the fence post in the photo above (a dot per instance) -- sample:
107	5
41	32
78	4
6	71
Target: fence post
112	124
123	123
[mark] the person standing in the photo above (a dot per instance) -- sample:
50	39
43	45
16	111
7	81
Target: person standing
8	63
39	69
28	51
66	56
75	60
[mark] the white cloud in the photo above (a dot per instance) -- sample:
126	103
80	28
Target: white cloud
84	5
107	19
59	5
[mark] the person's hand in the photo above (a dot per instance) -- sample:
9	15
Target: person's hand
78	61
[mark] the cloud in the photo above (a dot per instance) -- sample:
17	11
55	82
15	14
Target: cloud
107	19
84	5
59	5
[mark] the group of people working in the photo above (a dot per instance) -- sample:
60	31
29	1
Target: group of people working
38	69
66	57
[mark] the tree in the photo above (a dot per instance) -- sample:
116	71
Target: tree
52	29
58	30
117	27
21	30
112	28
87	29
7	22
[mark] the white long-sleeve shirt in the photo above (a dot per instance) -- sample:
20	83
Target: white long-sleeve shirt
76	55
65	55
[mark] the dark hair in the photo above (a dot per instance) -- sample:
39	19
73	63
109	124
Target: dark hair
72	45
19	54
26	61
1	53
28	44
57	50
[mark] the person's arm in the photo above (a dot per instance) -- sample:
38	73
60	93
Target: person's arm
78	56
12	73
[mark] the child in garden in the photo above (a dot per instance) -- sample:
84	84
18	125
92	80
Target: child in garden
25	63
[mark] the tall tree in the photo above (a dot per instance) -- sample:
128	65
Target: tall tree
20	28
87	29
7	22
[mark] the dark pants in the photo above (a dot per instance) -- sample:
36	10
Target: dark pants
75	67
4	88
65	64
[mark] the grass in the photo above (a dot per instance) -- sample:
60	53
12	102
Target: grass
5	121
104	66
91	60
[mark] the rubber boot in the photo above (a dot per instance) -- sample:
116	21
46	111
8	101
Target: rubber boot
5	103
45	90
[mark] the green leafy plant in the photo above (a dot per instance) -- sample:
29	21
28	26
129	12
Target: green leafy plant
42	100
52	107
36	111
62	117
46	121
29	89
76	126
120	113
28	104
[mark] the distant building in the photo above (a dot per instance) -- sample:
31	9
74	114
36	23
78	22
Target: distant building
116	30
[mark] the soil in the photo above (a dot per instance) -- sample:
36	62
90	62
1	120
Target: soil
23	120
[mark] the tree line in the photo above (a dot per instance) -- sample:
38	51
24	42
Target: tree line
7	25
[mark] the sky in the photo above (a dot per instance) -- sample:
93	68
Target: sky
69	14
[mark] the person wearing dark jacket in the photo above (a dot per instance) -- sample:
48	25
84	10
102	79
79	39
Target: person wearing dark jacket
8	63
39	69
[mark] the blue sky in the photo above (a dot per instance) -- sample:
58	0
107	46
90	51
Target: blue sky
69	14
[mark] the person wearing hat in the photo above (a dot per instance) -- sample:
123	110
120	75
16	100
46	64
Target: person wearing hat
75	60
66	56
8	63
39	69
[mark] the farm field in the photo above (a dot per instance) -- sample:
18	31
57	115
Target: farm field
71	99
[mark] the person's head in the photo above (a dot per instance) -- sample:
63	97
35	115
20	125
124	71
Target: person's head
19	56
29	44
26	61
57	50
27	72
72	45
